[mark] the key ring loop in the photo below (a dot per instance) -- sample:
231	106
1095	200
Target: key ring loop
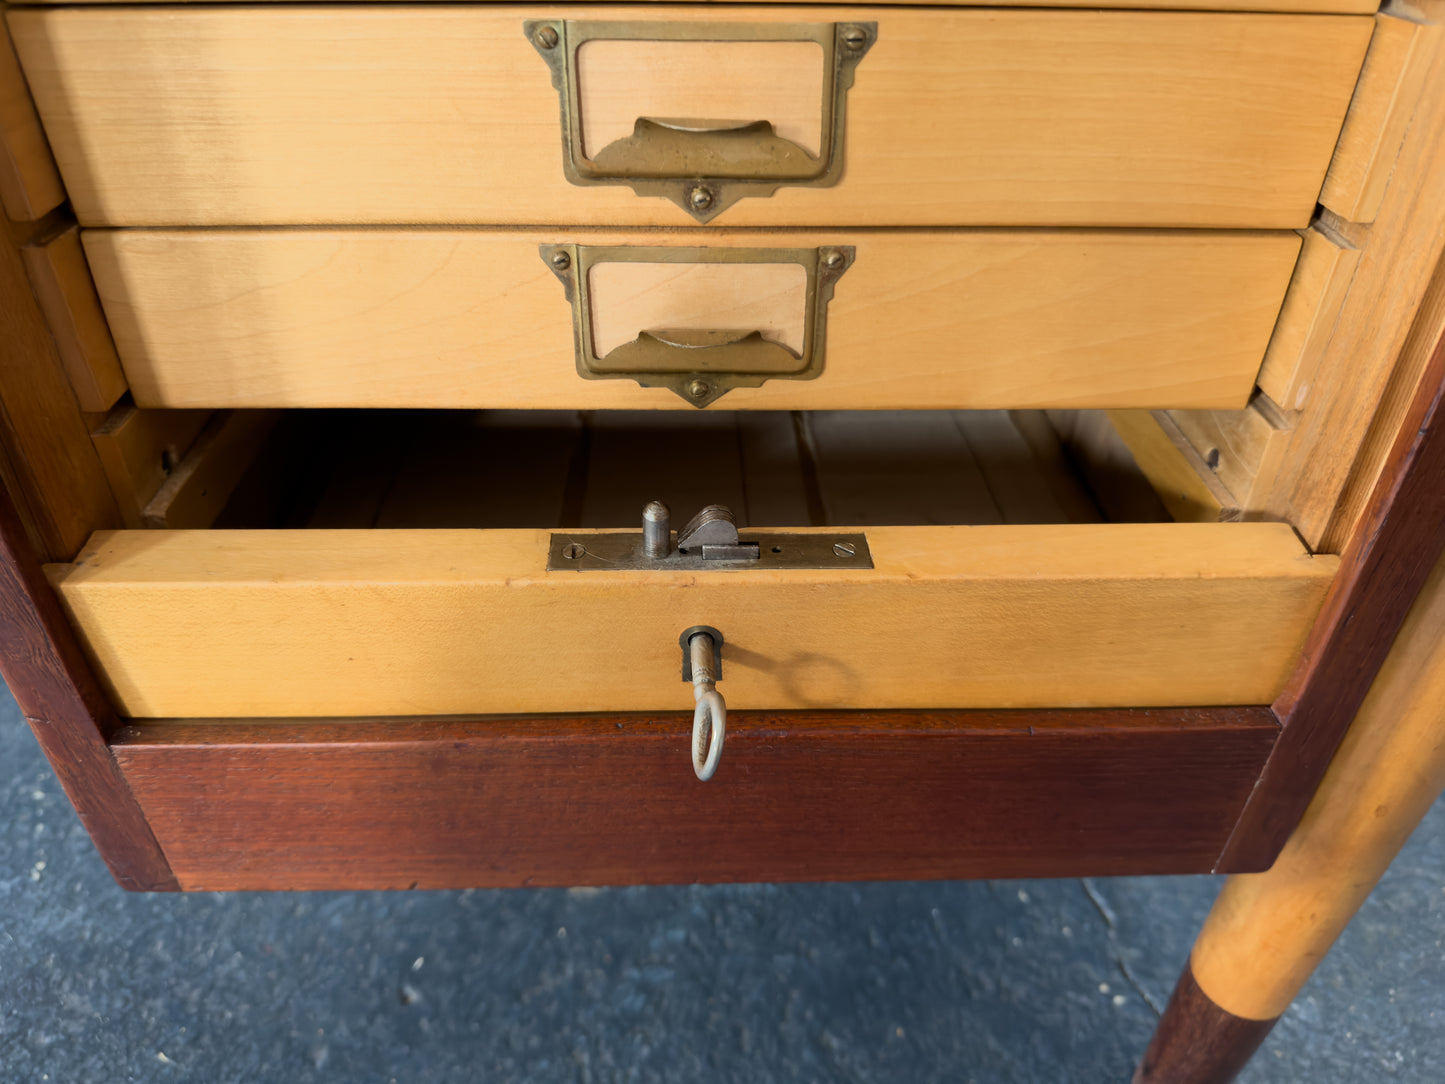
709	728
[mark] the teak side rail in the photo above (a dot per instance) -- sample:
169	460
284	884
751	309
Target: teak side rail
457	776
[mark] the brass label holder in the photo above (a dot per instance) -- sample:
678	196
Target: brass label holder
699	365
703	169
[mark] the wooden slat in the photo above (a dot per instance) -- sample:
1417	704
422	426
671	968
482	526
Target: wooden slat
612	800
46	459
1320	488
1179	475
1404	383
140	449
1244	449
1384	101
211	116
63	286
268	623
979	319
29	182
193	494
1311	307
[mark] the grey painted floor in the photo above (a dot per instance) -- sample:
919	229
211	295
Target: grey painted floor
1038	981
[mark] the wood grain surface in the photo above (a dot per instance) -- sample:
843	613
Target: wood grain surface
69	712
194	494
232	116
920	320
1197	1042
1380	111
1321	279
1243	449
277	623
29	181
1174	467
472	803
140	449
63	286
1358	7
1267	932
1382	337
47	462
1382	572
1092	444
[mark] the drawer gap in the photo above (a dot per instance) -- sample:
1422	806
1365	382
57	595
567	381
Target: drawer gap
581	469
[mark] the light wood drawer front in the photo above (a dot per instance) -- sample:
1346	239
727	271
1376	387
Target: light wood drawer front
1356	7
476	318
312	623
281	115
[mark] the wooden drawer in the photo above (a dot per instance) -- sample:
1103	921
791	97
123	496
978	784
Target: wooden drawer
977	319
421	114
993	592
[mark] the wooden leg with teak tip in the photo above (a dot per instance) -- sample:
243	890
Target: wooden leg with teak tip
1268	931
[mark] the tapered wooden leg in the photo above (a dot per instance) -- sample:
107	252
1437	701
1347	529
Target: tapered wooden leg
1196	1041
1268	931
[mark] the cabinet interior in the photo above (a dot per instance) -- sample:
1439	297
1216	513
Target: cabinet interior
571	469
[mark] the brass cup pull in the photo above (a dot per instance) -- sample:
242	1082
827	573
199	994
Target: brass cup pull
704	166
699	364
718	150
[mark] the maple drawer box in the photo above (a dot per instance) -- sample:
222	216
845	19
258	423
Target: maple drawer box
893	319
810	115
973	570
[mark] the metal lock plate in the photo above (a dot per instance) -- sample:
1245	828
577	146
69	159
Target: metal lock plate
701	167
710	541
699	365
618	551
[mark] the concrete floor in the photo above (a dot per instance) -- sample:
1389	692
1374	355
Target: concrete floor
1036	981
